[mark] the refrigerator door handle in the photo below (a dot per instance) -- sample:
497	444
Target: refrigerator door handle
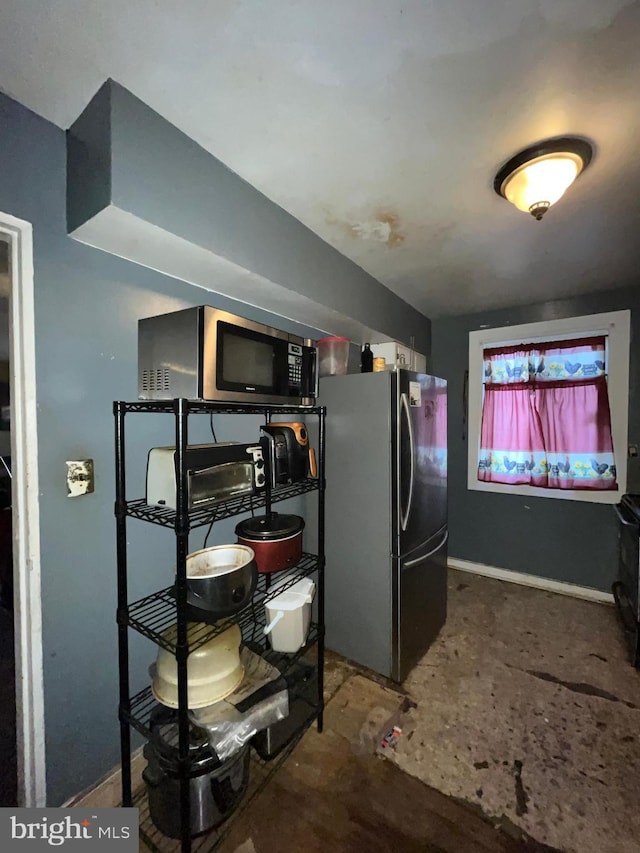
424	557
619	510
404	514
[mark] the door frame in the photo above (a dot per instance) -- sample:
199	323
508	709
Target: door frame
30	734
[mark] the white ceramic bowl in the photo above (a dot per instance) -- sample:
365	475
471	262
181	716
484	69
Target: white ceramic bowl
214	669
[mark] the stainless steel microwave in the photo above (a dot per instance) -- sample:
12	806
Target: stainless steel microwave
205	354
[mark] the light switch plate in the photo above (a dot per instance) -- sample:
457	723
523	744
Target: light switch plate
80	480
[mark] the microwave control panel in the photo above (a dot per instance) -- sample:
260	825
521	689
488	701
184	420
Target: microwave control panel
295	365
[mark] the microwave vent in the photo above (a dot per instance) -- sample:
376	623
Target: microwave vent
155	380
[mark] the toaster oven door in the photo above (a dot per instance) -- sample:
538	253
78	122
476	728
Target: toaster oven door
220	482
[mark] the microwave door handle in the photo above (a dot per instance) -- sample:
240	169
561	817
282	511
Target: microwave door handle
404	514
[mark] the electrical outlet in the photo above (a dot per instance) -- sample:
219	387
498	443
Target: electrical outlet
80	480
633	450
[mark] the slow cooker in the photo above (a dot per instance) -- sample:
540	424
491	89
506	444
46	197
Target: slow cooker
275	538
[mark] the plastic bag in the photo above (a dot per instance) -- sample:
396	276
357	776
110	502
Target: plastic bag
261	700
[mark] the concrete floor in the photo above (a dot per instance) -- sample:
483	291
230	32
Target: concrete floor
520	736
527	706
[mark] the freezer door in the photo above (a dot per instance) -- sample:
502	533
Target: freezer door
420	602
421	416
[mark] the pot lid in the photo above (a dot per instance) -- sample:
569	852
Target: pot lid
164	728
267	528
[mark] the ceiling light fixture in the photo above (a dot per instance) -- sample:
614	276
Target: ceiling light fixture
537	177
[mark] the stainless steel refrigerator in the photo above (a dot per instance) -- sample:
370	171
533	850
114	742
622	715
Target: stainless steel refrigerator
386	517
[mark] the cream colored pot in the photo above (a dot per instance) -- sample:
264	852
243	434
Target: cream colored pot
214	669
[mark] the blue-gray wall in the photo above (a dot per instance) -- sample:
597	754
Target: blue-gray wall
565	540
128	157
87	304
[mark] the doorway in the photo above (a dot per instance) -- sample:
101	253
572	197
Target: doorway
22	718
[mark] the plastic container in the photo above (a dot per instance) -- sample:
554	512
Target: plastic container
333	356
214	669
289	616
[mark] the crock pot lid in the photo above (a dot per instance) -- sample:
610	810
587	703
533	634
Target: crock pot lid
269	527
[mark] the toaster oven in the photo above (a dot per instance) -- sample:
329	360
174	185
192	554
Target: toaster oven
215	472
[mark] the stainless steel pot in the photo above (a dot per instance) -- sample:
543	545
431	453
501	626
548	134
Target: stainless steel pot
216	788
215	791
221	579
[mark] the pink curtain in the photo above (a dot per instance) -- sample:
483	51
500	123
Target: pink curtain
546	419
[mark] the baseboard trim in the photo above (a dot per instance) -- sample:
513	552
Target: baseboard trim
562	588
107	792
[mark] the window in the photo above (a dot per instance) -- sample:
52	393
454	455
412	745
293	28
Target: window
548	408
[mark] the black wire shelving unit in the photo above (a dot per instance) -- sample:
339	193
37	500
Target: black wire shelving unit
152	615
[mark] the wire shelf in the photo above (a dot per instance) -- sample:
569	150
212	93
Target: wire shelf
141	706
260	772
152	615
166	516
207	407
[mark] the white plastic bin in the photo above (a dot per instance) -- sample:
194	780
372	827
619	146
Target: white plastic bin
289	615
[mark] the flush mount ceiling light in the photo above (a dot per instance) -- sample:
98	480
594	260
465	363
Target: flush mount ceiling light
537	177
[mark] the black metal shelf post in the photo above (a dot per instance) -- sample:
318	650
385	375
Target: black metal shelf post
153	614
182	643
123	634
321	560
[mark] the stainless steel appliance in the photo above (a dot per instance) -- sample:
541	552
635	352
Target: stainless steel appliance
214	472
626	589
216	788
221	580
386	516
205	354
275	538
289	457
302	683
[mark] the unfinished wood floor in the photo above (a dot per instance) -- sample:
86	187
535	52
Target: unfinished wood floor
521	736
337	794
528	707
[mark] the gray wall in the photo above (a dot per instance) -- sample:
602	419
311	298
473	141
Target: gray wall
87	304
161	177
564	540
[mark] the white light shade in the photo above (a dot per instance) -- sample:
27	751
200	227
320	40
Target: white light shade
542	181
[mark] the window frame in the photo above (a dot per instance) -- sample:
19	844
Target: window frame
616	325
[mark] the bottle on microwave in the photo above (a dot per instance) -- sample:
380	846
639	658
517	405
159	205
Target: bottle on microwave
205	354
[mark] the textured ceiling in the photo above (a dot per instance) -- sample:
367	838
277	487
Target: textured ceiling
380	124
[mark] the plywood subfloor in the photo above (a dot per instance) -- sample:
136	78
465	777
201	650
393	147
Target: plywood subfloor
520	735
336	794
527	706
